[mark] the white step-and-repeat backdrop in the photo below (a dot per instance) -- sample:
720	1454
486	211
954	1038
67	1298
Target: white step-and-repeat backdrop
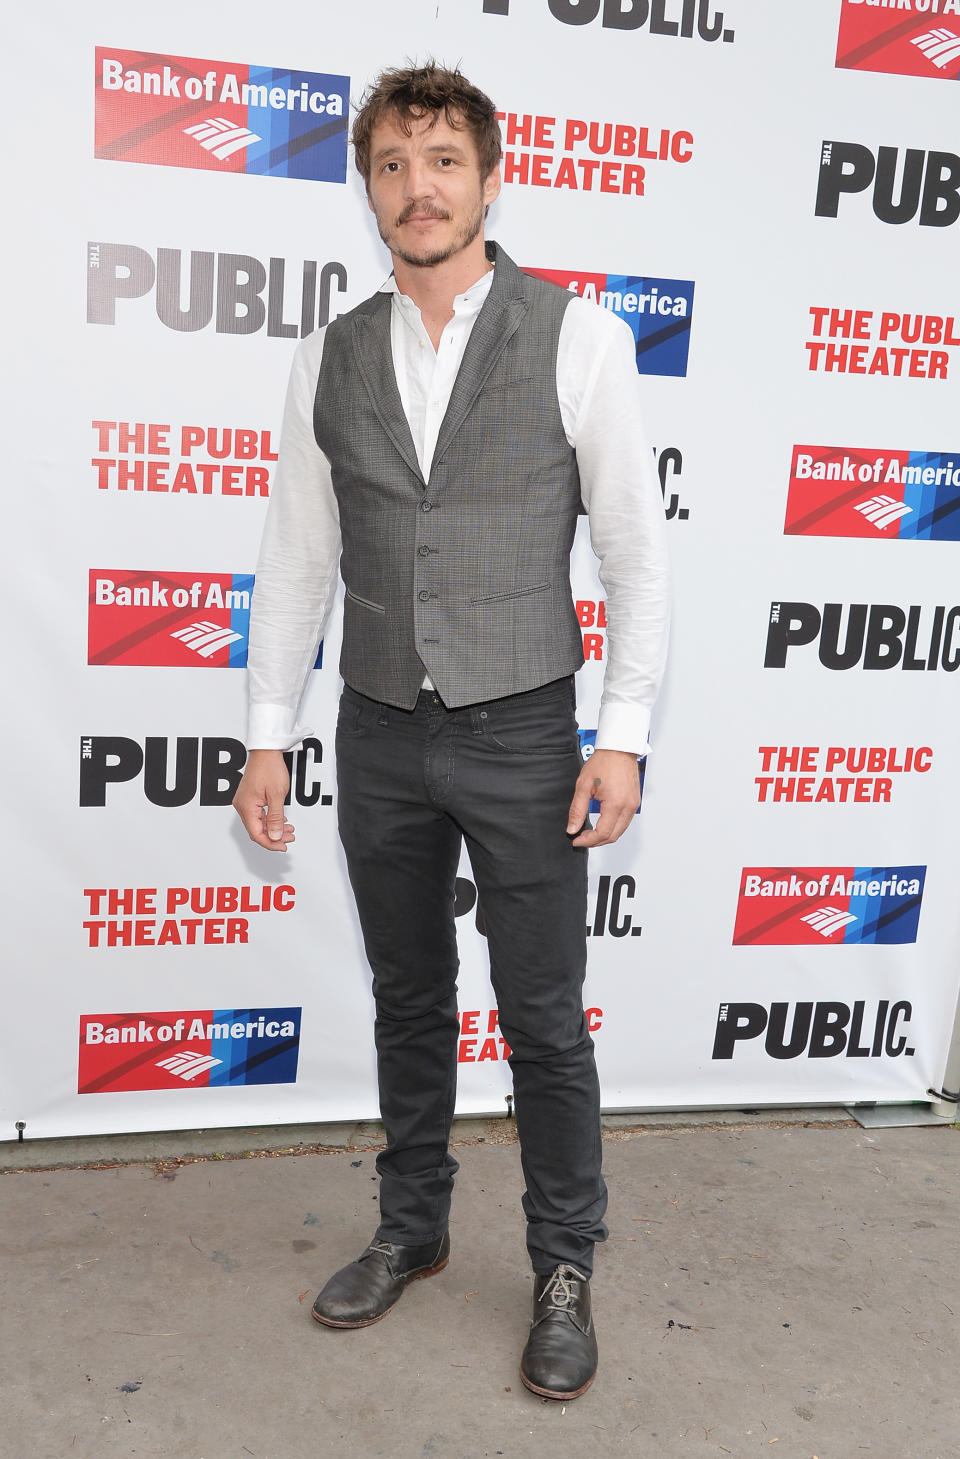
769	196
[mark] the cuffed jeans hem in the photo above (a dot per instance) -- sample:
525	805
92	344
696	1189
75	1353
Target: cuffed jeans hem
386	1233
548	1247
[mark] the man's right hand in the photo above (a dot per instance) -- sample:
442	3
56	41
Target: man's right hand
260	797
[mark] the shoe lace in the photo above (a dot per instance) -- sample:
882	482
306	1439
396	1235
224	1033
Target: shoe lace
560	1290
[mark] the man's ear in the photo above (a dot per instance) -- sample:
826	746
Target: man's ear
491	186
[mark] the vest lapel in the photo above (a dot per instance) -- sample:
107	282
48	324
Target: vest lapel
371	343
497	322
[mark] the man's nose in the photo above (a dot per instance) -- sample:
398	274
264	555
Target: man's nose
419	180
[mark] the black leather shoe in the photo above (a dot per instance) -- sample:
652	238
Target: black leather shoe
560	1358
364	1291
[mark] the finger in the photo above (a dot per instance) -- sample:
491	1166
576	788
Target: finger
597	835
590	837
263	838
275	821
617	828
624	819
252	818
609	828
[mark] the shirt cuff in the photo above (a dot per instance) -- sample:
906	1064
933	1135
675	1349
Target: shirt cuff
274	727
623	727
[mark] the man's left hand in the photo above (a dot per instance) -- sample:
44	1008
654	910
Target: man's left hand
612	778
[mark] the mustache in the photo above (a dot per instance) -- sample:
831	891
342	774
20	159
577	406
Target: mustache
423	211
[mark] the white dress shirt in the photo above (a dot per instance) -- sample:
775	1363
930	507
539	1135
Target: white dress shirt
599	394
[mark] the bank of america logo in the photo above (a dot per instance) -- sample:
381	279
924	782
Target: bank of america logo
828	920
206	638
882	510
940	46
221	136
188	1066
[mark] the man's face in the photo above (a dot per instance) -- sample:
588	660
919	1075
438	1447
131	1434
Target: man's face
426	191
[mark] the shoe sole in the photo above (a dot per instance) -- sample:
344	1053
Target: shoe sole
430	1271
553	1392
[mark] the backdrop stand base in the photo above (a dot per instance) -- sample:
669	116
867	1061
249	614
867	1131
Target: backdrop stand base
891	1116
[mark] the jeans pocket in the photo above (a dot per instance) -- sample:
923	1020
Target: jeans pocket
356	716
532	726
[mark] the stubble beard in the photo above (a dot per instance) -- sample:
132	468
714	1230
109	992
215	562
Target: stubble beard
461	239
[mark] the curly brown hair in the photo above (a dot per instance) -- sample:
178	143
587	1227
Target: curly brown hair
406	95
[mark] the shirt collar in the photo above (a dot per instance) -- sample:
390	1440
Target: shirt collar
472	297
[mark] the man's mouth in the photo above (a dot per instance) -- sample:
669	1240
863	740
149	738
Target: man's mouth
422	217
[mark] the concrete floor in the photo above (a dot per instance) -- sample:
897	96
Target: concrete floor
783	1290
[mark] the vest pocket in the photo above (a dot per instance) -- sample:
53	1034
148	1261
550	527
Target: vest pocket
517	593
365	602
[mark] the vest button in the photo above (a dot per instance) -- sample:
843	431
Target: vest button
423	551
424	597
426	506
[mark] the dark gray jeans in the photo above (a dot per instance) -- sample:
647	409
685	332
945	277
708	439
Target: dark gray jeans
412	785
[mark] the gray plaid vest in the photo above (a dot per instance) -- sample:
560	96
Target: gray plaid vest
465	575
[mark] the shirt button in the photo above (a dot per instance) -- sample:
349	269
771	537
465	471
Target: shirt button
423	551
424	597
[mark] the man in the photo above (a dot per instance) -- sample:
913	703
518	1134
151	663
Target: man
441	435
